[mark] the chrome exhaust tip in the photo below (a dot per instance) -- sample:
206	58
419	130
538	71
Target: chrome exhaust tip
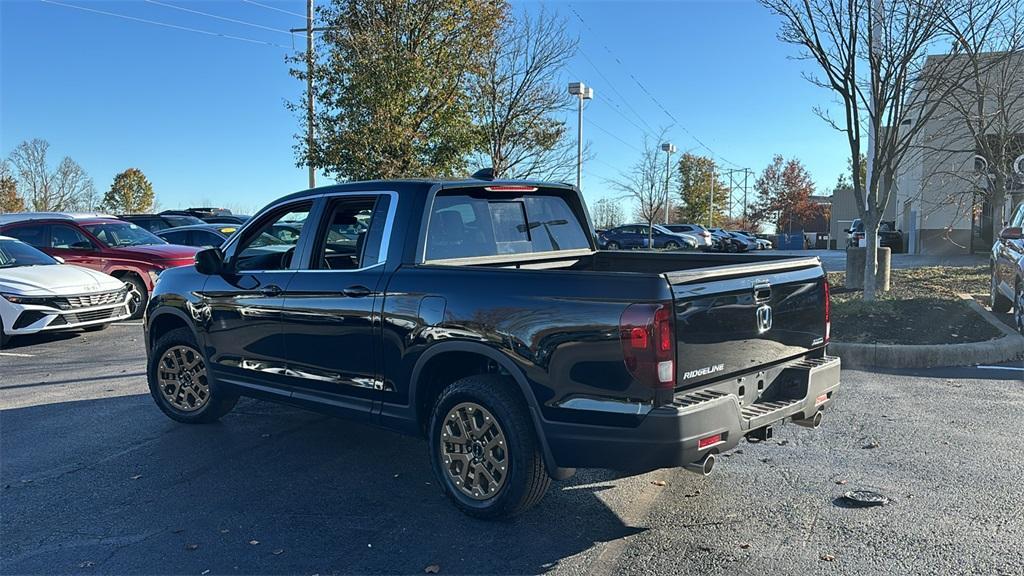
703	467
812	422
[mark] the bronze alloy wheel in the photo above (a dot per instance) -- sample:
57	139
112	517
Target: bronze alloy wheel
182	377
1018	312
474	452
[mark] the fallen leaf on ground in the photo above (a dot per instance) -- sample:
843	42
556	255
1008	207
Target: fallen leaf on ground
278	552
658	482
828	557
137	476
87	564
872	445
224	530
432	569
205	572
841	482
745	545
191	546
254	542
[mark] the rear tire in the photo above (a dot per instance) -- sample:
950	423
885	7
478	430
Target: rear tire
484	450
731	247
613	246
1000	304
1018	313
670	245
180	383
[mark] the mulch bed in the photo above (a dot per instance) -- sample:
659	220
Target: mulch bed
922	307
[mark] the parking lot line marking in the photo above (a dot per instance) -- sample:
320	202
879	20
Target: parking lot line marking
1001	368
127	323
16	354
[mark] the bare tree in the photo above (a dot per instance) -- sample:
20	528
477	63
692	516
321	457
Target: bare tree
66	187
607	213
874	55
520	100
644	183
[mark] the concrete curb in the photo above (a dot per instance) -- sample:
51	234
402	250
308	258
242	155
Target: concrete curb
1009	347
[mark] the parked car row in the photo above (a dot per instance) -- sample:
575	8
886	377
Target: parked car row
888	235
679	237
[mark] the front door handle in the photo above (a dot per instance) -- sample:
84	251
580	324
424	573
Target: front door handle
356	291
271	290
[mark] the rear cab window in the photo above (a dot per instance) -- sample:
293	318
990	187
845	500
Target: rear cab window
472	222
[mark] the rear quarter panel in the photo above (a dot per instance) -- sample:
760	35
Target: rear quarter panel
559	328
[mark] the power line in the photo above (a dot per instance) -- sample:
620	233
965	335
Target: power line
612	86
648	92
224	18
275	8
166	25
613	135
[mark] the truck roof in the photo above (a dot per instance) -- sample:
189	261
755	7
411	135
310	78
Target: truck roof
419	185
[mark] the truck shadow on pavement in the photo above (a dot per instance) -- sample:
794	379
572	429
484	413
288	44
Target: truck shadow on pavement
113	486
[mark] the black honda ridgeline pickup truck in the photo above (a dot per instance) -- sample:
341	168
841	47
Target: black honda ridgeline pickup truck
480	315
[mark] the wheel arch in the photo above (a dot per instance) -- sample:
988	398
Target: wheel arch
434	370
165	320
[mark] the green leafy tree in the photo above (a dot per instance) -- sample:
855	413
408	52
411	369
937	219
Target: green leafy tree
10	201
699	186
784	191
130	193
392	84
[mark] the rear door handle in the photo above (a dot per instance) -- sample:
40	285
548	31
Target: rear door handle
356	291
271	290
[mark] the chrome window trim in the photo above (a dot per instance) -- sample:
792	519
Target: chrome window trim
385	242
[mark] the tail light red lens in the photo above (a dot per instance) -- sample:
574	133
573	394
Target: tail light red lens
828	311
647	335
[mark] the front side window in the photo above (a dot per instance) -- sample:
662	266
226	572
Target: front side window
464	225
121	234
68	238
265	247
206	239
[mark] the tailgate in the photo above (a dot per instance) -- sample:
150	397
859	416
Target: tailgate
734	319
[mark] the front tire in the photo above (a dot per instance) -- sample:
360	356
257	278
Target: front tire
1018	312
179	381
1000	304
4	338
612	246
483	448
670	245
140	296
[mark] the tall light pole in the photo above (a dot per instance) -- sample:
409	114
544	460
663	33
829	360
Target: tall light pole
582	92
669	149
711	198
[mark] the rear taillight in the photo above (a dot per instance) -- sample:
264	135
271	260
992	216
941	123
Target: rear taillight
648	344
828	311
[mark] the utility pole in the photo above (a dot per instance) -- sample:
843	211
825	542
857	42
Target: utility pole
745	172
310	108
669	148
582	92
711	199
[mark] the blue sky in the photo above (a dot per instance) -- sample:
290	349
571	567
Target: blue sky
204	116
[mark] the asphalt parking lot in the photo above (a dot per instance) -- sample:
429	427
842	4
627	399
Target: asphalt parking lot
95	480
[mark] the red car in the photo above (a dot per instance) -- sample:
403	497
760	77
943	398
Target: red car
121	249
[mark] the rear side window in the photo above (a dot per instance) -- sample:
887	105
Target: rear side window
466	225
33	235
179	237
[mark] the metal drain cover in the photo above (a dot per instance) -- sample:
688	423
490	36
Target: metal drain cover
864	498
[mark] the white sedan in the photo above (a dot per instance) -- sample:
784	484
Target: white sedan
39	293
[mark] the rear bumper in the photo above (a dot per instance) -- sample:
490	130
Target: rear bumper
669	436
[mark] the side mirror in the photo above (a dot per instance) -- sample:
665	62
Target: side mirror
58	259
1012	233
210	262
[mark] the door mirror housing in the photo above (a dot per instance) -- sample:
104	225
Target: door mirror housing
210	262
1012	233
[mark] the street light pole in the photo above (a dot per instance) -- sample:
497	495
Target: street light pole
669	149
582	92
711	199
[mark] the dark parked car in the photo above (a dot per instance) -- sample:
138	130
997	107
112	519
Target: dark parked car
1007	285
888	235
725	241
199	235
209	215
157	222
480	315
124	250
639	236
